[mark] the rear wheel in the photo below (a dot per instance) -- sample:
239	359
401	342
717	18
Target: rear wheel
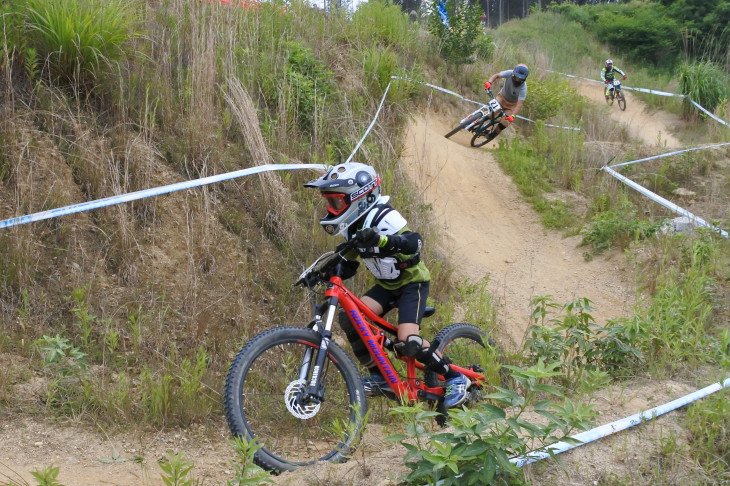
469	347
621	100
482	138
266	400
466	123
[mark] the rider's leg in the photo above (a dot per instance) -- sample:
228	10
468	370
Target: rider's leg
358	347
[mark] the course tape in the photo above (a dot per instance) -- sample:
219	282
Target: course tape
671	153
372	124
156	191
696	220
439	88
617	426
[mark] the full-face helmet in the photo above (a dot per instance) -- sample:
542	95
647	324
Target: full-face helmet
350	190
519	74
609	64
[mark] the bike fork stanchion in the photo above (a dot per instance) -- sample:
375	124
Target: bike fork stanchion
315	383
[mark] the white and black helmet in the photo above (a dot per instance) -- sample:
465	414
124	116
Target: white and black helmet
350	190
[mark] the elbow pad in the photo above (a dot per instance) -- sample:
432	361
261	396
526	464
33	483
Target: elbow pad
408	243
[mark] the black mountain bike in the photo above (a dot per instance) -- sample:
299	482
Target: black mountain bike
482	123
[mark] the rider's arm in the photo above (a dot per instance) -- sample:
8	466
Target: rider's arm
408	243
603	74
619	71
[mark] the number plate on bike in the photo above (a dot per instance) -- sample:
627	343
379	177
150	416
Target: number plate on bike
494	105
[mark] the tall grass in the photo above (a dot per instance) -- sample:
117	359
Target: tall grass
704	82
78	39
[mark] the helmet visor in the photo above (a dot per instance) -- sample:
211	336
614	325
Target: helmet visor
335	203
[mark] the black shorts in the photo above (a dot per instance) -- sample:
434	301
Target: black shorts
409	299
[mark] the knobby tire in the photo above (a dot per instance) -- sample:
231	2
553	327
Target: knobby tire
480	139
463	125
621	100
255	403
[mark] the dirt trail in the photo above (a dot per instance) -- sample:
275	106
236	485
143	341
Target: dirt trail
651	127
490	231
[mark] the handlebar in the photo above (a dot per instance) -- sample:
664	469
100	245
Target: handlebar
328	264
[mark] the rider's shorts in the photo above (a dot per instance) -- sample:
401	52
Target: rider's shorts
409	299
507	106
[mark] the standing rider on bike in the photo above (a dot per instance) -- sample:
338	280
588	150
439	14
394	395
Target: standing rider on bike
607	74
391	251
512	94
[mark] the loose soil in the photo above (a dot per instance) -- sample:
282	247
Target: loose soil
488	232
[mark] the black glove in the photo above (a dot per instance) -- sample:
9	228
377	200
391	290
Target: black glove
367	237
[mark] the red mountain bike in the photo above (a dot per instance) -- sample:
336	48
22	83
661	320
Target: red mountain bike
300	395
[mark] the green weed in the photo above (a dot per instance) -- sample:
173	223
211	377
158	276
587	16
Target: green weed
245	471
175	470
479	443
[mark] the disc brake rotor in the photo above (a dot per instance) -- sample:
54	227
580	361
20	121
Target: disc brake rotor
292	396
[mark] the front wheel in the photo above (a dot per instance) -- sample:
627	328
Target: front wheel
266	400
466	123
621	100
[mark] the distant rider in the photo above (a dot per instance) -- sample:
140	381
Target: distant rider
512	94
391	251
607	75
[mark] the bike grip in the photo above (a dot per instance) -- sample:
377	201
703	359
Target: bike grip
487	85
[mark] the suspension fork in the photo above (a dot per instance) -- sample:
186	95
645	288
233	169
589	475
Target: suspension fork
315	388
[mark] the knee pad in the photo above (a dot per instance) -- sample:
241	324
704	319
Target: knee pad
432	361
411	347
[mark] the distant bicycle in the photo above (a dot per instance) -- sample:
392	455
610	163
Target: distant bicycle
483	122
615	93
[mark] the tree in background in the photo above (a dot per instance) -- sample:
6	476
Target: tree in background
456	34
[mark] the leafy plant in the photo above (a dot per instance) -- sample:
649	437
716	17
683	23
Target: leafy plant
616	227
47	476
575	341
246	471
61	356
477	447
175	469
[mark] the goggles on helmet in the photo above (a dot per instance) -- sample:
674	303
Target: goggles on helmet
336	203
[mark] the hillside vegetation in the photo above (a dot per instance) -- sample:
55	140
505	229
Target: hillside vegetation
129	315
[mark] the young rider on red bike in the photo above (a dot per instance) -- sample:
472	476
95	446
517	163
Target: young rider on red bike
391	251
512	95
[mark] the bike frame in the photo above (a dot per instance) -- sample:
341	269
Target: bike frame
373	335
